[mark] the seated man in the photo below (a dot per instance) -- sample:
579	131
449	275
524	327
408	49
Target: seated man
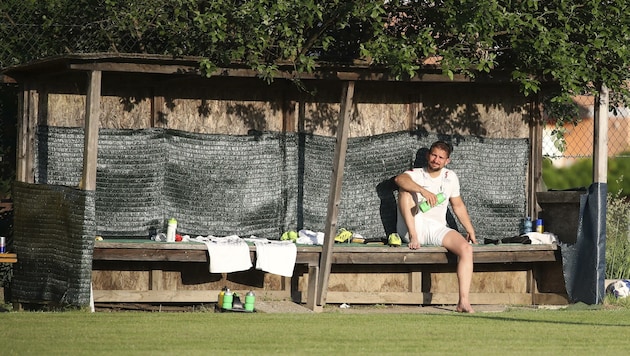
429	227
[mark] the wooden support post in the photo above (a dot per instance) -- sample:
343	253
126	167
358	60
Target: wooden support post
22	139
156	279
426	287
334	197
311	294
531	287
415	282
600	138
92	115
157	108
26	126
535	158
288	111
414	108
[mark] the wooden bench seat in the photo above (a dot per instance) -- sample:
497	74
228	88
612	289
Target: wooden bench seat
8	258
537	269
343	254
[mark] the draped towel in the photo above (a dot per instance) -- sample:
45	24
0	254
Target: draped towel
277	257
227	254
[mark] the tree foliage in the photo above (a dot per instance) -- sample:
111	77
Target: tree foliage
578	45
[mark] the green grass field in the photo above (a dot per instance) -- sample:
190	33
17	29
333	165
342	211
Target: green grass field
518	331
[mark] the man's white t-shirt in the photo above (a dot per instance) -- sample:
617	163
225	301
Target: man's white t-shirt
447	183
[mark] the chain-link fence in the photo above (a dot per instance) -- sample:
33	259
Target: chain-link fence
36	29
568	148
574	141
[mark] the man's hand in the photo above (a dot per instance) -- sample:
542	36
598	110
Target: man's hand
429	197
413	243
471	237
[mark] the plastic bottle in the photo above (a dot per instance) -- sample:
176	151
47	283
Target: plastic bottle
221	295
228	297
539	226
527	225
424	206
171	230
250	299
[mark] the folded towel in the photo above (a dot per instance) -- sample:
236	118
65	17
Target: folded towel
277	257
308	237
227	254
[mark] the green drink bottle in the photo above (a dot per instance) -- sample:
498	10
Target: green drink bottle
424	206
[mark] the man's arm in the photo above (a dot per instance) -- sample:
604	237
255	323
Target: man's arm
459	208
404	182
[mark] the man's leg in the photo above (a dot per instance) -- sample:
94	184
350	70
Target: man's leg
457	244
408	207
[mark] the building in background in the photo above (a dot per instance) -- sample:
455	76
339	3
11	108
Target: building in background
578	139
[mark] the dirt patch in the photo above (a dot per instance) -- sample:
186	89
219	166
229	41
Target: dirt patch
280	307
290	307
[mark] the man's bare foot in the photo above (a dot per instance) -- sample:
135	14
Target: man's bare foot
464	308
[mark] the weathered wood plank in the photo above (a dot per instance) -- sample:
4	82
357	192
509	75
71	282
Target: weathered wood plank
92	114
147	251
409	257
334	198
171	296
26	126
600	134
515	256
155	279
177	252
320	73
426	298
504	274
148	254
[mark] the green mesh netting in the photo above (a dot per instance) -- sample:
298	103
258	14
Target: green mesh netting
54	237
260	184
266	183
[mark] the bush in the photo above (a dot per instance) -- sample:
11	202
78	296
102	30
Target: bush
617	236
580	174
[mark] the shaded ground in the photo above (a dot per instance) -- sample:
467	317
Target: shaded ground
290	307
285	306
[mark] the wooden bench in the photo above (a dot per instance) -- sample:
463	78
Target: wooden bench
7	258
539	267
160	259
520	274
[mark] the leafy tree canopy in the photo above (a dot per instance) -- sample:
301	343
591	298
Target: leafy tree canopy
578	45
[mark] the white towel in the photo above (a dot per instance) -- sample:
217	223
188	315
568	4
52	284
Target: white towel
308	237
545	238
227	254
277	257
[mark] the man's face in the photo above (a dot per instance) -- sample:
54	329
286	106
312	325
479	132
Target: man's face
437	158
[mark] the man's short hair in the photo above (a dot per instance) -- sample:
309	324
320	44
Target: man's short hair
443	145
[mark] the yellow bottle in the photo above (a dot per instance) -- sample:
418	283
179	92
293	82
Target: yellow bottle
221	294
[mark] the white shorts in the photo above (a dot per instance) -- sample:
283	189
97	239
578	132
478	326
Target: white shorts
430	232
